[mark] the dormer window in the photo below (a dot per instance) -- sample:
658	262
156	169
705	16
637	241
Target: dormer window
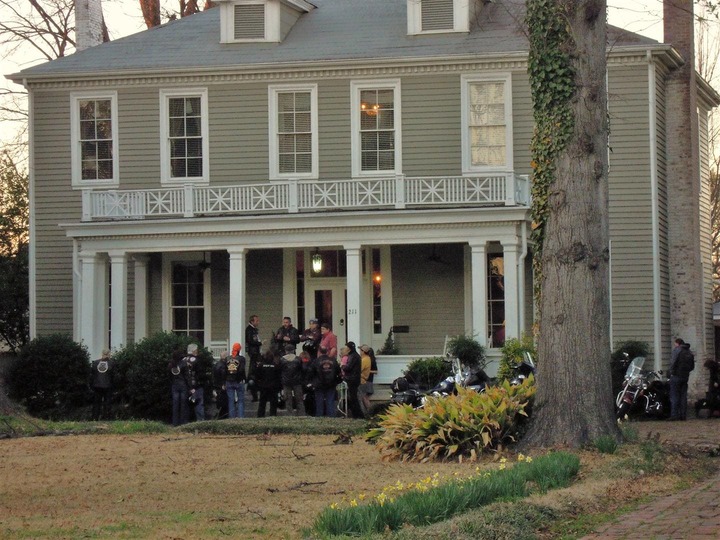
248	21
440	16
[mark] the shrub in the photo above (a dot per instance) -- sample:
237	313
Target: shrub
50	377
512	355
389	346
617	358
606	444
468	350
143	381
427	372
455	426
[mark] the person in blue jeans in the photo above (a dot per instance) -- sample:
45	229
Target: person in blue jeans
179	387
324	377
234	371
195	384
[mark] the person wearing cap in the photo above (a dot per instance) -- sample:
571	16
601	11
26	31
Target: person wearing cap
367	371
235	382
328	341
352	372
311	338
292	376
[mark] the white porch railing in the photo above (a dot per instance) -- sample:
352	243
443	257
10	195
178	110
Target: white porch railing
295	196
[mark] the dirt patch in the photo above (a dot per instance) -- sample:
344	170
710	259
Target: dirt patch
196	486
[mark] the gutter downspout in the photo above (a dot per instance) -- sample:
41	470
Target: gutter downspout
652	111
32	265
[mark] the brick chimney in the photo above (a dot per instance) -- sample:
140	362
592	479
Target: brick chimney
689	301
88	24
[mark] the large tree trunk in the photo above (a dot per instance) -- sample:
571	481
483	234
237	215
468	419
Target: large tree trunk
574	402
151	12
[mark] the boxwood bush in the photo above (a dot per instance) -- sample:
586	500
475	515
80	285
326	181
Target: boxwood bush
143	377
427	372
50	377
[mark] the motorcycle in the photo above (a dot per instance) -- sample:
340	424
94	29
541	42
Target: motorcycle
643	390
408	394
523	370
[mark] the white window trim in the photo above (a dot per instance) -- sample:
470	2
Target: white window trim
467	166
272	21
273	91
75	152
461	18
165	170
168	259
355	140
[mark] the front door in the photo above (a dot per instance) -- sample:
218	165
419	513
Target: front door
326	302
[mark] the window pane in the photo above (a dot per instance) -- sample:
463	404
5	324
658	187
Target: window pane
196	318
302	101
302	122
386	161
303	143
303	163
192	127
369	141
368	120
369	161
105	170
89	150
385	98
177	107
192	106
104	109
180	321
87	130
194	147
89	170
286	102
104	150
286	123
177	127
286	143
178	168
177	148
386	140
104	129
179	274
179	294
386	119
194	167
87	110
287	163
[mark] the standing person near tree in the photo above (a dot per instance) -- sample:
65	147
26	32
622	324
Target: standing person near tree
352	372
101	382
287	334
683	363
325	376
252	349
179	388
195	382
235	382
267	378
328	340
291	371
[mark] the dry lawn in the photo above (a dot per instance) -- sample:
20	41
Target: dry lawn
197	486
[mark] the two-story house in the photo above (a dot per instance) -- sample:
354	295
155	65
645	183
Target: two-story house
364	162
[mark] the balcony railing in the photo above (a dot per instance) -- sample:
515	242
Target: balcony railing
295	196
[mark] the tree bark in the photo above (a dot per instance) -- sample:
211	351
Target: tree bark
574	403
151	12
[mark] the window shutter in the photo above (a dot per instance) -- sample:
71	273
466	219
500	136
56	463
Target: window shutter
437	15
249	21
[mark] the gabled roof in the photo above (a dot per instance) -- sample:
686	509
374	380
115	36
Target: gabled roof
344	31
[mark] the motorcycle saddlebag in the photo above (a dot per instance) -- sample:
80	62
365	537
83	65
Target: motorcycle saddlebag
409	397
400	384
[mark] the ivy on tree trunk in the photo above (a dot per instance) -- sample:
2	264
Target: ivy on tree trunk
567	66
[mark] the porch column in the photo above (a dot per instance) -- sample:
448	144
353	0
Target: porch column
91	304
354	289
236	319
141	302
510	256
118	299
478	264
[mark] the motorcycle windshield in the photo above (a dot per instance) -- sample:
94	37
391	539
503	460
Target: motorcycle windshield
635	367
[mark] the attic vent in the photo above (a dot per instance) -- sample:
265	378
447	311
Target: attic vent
437	15
249	21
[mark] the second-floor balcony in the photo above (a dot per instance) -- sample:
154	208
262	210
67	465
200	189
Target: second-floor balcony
294	196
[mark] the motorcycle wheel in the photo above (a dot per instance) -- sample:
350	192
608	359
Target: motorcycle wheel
623	410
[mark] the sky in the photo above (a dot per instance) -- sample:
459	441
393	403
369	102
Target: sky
124	18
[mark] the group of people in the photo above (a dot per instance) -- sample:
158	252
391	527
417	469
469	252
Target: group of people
308	381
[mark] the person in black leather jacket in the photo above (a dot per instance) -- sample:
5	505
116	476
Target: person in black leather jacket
680	369
195	383
267	378
101	382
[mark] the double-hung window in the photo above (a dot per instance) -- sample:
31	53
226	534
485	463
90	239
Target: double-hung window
184	139
293	131
376	128
487	123
94	136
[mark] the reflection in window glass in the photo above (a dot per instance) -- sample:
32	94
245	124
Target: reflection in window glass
377	130
96	139
186	137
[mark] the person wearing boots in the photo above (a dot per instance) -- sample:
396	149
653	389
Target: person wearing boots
351	372
197	392
234	386
267	378
252	350
292	377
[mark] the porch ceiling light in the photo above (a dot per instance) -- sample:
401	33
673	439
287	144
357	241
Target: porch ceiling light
317	262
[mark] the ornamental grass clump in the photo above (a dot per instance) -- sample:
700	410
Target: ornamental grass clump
430	501
460	426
